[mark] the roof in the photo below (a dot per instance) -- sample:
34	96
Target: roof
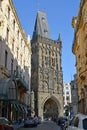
41	26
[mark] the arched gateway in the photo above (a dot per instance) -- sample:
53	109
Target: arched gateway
51	108
46	71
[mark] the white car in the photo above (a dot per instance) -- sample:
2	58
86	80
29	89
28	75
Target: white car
79	122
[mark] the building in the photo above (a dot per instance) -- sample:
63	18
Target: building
67	99
15	64
46	71
66	93
74	95
79	49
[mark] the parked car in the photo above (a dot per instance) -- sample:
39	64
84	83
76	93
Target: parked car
39	119
18	124
5	124
61	122
79	122
30	122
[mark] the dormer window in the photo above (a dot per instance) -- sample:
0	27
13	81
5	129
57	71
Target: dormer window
43	19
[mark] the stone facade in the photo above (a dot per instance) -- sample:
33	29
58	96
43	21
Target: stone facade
15	51
46	74
79	48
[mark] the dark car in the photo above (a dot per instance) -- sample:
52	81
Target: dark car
30	122
62	121
5	124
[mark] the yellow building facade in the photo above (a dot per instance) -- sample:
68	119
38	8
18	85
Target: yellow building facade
79	48
15	63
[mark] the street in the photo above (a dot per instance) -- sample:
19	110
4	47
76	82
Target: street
47	125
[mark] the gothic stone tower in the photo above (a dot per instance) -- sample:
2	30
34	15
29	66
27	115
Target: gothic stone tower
46	70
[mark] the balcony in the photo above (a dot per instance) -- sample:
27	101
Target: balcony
19	79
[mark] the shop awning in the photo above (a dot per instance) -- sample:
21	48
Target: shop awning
15	106
22	108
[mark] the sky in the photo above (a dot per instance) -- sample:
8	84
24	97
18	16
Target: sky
59	15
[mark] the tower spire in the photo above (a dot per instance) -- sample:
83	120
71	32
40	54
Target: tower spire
59	38
41	25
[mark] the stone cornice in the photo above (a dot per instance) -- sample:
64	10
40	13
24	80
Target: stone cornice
17	20
49	41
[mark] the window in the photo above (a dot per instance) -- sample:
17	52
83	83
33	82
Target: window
51	84
13	45
21	41
0	3
67	98
24	64
67	93
17	53
24	49
57	66
43	19
13	24
17	70
67	88
18	34
6	58
7	35
11	64
8	13
21	59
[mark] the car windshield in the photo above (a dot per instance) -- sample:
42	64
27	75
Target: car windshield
85	124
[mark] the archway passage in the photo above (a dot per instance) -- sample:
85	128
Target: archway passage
50	110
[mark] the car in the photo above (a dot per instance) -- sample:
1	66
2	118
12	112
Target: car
79	122
5	124
62	121
30	122
39	120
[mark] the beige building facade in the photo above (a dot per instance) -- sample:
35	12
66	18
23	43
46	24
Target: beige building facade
15	62
46	71
79	48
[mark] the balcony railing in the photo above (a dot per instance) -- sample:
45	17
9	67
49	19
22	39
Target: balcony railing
18	76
